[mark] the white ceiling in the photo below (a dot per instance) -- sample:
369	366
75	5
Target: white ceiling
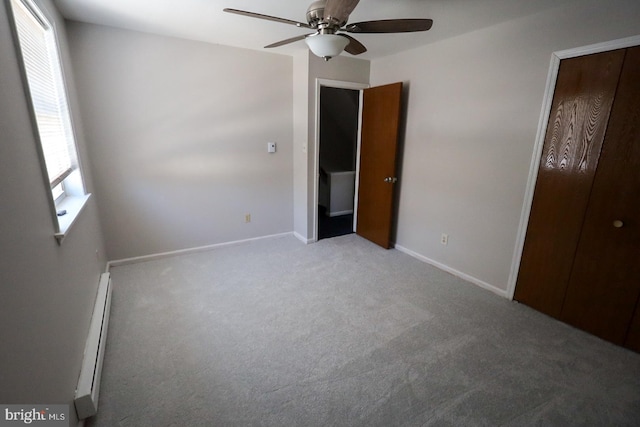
204	20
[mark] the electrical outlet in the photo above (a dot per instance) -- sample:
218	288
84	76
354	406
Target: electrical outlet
247	218
444	239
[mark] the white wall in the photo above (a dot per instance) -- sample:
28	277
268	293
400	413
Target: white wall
300	143
46	291
473	110
178	135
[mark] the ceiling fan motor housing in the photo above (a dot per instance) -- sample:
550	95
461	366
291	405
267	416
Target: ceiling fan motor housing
315	17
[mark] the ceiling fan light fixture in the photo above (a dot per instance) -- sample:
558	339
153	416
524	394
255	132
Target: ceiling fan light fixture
326	46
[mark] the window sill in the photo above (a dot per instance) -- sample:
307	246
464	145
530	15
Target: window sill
73	205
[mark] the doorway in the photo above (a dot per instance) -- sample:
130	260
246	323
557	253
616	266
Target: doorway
374	180
338	128
337	138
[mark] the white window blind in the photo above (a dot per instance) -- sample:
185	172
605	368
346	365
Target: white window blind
47	91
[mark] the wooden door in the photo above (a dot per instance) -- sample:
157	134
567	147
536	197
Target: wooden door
605	281
582	101
379	141
581	260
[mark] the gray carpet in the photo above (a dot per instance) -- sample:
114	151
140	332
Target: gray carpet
343	333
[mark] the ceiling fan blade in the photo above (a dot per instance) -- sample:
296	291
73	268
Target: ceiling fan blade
287	41
390	26
267	17
354	47
339	10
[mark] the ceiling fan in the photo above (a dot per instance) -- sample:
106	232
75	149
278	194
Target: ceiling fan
329	20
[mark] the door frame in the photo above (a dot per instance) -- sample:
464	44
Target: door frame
316	161
543	122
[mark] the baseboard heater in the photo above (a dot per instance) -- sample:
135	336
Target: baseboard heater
86	401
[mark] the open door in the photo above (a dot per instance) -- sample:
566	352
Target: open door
379	141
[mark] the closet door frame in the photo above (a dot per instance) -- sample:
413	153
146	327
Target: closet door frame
552	76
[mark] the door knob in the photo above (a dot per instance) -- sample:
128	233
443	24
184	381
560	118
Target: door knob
391	179
618	224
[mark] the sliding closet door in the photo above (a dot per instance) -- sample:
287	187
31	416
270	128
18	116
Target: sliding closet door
582	101
581	260
605	281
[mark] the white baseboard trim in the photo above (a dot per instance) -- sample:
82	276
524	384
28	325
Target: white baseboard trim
150	257
443	267
302	238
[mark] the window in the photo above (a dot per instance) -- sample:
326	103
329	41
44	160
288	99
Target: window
46	89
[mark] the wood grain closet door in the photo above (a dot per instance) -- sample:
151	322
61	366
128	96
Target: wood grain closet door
582	101
605	281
